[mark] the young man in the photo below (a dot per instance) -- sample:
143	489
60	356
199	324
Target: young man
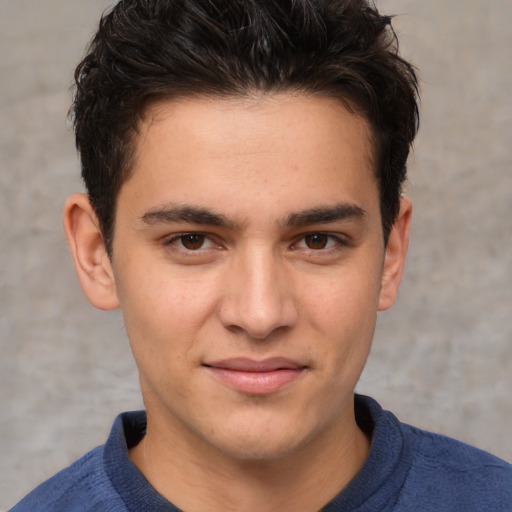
244	162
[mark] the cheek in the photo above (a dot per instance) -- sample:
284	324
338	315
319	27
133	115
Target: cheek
164	296
344	302
343	313
164	314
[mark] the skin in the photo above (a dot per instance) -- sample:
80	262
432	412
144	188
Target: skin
249	228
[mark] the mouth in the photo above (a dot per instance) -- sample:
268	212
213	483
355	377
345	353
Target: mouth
253	377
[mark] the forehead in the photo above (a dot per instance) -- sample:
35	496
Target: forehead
291	147
298	113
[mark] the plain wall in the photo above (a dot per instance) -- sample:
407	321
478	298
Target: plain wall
442	358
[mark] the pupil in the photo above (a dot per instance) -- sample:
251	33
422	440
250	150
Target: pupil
317	241
192	241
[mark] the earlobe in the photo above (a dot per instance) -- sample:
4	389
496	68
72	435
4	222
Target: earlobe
90	257
394	258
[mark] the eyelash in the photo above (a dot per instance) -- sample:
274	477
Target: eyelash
179	237
335	241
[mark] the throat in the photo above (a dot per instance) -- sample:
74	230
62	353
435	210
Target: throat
303	481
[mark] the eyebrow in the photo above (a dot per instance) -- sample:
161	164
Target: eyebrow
326	214
204	216
188	214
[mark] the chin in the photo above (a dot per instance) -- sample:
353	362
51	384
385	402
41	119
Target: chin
261	441
264	450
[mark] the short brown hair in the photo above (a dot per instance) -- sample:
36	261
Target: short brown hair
146	50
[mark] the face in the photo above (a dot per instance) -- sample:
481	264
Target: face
249	263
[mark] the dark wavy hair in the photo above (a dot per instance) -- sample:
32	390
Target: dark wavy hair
145	50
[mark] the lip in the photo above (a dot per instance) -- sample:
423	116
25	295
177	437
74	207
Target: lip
254	377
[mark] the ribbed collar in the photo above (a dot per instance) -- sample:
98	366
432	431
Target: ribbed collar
375	487
136	492
378	484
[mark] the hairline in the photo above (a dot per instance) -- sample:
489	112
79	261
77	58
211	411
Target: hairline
253	96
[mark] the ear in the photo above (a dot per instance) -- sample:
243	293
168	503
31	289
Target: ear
394	258
90	257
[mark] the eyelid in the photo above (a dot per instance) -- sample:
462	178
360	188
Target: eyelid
211	241
339	240
169	241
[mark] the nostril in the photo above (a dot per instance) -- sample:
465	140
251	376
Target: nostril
257	302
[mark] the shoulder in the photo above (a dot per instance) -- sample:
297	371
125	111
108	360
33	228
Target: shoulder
412	469
462	477
80	487
98	481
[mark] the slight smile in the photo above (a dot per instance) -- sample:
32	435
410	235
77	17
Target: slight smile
256	377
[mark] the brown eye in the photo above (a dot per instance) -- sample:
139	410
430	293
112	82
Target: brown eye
192	241
316	241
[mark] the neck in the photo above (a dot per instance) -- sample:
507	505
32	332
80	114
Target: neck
206	479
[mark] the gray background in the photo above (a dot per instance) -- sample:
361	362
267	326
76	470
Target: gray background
442	358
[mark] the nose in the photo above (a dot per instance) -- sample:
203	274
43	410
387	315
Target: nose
258	297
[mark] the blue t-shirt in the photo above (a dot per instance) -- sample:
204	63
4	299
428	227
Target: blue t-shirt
407	470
